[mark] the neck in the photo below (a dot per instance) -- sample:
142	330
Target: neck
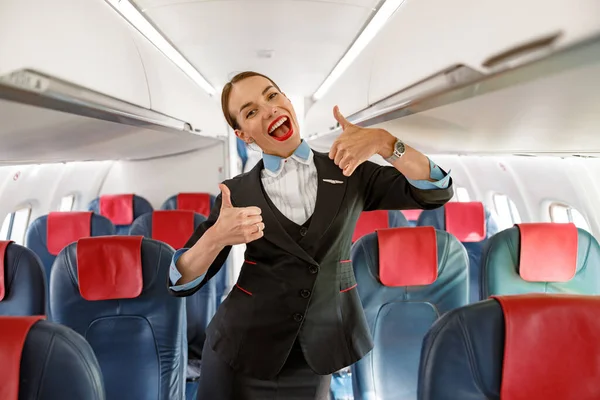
284	154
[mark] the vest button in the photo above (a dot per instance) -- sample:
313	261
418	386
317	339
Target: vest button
313	269
303	231
298	317
305	293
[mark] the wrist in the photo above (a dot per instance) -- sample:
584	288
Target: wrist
212	240
386	144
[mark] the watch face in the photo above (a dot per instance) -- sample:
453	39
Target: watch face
400	147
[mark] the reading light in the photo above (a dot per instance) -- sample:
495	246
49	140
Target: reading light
383	14
135	18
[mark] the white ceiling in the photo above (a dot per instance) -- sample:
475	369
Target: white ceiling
220	38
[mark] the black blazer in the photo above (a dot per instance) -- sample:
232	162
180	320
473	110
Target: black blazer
288	288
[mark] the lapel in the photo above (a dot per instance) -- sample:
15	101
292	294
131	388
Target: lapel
253	195
329	197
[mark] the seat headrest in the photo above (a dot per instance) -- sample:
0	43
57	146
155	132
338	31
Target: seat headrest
22	281
102	262
466	221
369	222
551	347
118	208
3	245
407	256
13	332
173	227
412	215
197	202
66	227
518	347
548	252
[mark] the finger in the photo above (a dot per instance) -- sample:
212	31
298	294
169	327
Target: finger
255	236
342	158
225	197
334	149
252	220
249	211
350	168
340	118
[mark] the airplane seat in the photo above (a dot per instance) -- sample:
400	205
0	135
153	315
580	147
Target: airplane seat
22	281
371	221
472	224
412	216
175	227
541	258
111	290
201	203
49	234
42	360
120	209
521	347
406	278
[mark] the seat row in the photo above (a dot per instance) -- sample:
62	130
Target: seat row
414	282
112	322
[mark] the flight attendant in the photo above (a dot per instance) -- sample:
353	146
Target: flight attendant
294	315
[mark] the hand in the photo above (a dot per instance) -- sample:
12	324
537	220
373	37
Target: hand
237	225
356	145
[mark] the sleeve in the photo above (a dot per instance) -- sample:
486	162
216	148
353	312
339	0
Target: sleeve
214	268
441	179
385	188
174	274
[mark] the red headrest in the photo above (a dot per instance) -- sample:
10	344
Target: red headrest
548	252
118	208
3	246
66	227
407	256
551	347
369	222
13	332
197	202
466	221
412	215
173	227
110	267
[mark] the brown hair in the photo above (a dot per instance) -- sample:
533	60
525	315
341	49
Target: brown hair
227	91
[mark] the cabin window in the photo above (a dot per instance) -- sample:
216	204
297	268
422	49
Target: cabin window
15	224
563	213
461	194
66	203
506	210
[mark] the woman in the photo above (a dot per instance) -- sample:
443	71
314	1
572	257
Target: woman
294	316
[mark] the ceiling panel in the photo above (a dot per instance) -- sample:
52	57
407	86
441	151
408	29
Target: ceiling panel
305	39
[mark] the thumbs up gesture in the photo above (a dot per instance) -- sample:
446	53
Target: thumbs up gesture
356	145
237	225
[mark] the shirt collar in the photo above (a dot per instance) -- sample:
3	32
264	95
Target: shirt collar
274	164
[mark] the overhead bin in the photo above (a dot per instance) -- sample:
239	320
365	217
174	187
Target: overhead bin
427	38
89	45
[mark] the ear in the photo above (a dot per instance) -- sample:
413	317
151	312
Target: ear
243	135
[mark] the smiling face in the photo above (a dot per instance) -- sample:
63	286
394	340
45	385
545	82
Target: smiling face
261	113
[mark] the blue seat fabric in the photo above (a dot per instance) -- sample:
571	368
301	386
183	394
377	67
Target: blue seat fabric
140	206
25	283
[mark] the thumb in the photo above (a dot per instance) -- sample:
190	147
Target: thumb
340	118
226	197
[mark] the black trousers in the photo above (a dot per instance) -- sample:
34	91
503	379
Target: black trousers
296	381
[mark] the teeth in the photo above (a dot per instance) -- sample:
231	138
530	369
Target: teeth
278	124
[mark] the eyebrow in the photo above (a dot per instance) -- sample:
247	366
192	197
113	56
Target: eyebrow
263	93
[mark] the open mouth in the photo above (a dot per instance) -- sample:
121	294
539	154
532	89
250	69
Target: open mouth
281	128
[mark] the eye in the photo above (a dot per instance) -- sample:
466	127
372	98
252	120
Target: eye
250	113
273	95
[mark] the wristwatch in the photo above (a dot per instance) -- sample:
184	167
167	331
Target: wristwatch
398	151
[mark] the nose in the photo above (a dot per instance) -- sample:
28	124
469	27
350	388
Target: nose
270	111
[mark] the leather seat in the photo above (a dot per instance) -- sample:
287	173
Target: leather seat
407	278
111	290
120	209
42	360
49	234
542	258
518	347
22	281
370	221
175	228
202	203
472	224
